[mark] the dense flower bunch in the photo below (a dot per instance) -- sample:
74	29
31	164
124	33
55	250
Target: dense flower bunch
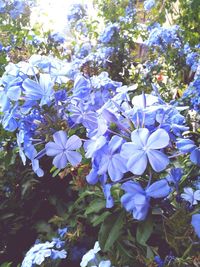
41	251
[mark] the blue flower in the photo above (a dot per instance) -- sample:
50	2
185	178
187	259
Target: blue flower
18	9
191	196
196	223
87	118
62	231
108	196
109	32
2	6
40	251
144	147
136	199
90	255
195	156
63	149
111	161
159	261
42	91
175	176
106	263
149	4
92	146
186	146
82	87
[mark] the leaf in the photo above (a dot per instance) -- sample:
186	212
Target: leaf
150	253
6	264
110	230
144	231
95	206
99	219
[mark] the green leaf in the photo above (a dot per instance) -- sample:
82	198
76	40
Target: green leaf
110	230
150	253
100	218
95	206
6	264
144	231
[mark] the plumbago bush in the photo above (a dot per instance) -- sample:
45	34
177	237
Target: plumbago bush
100	139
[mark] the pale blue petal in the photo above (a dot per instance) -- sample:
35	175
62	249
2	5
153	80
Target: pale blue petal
33	90
137	163
105	264
108	196
60	161
52	149
116	167
103	165
92	177
196	224
60	138
115	143
73	157
195	156
139	137
14	92
132	188
158	160
197	195
128	149
127	202
73	143
141	206
158	139
46	84
185	145
158	189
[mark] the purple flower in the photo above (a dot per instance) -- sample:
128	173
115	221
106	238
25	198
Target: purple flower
144	147
196	223
63	149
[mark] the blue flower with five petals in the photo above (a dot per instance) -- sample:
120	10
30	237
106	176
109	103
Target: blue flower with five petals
143	148
63	149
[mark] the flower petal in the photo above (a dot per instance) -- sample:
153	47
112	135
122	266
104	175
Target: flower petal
132	187
158	160
60	138
139	137
52	149
73	143
137	163
158	139
73	157
60	161
158	189
115	143
196	223
128	149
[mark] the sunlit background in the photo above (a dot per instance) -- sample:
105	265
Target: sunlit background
52	14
